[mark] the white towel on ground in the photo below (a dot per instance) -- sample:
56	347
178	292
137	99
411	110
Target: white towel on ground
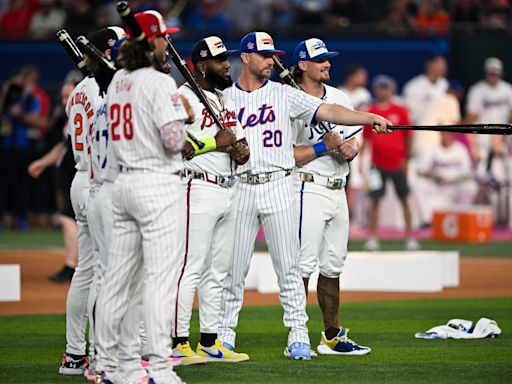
462	329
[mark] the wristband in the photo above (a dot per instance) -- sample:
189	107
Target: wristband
319	148
209	145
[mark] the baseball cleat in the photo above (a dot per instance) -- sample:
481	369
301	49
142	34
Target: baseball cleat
187	354
175	361
70	366
90	375
300	351
411	244
222	352
341	345
311	352
372	244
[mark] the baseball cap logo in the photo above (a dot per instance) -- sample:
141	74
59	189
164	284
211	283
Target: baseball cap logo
154	28
203	53
219	45
250	45
303	54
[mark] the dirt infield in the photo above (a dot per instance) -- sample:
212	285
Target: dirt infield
480	277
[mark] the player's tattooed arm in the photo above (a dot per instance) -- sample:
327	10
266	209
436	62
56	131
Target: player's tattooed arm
331	142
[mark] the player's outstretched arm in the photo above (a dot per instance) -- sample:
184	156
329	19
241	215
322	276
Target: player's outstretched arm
340	115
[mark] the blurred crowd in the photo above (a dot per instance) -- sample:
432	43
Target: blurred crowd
429	170
40	19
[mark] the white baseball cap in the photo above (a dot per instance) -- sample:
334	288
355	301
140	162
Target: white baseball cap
312	49
493	65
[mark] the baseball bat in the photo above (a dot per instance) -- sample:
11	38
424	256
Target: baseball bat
181	64
284	73
127	15
482	129
95	53
73	51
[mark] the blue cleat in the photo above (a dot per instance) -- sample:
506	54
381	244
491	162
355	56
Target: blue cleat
300	351
341	345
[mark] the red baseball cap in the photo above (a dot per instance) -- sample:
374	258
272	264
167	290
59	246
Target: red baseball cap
152	24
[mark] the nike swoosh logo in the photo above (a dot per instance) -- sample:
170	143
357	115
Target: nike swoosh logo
217	355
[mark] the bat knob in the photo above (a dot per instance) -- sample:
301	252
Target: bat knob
122	6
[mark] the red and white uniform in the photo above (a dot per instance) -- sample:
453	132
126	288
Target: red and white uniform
323	209
210	217
80	109
149	214
265	196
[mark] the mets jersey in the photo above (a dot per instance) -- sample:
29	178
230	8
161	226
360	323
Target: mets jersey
140	103
80	109
265	115
216	162
331	164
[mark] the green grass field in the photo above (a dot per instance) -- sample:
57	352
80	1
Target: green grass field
30	347
53	238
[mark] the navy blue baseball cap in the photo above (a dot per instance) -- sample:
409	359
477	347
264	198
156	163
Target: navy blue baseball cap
259	42
312	49
383	81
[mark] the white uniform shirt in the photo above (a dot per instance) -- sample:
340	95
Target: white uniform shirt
80	111
104	164
331	164
359	97
216	162
420	91
140	103
266	114
449	163
492	105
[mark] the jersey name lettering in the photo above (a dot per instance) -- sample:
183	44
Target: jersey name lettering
81	98
266	115
228	119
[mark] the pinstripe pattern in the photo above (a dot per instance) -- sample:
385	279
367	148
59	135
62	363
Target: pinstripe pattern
149	222
263	113
273	104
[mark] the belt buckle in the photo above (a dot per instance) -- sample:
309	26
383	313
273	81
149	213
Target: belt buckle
335	183
261	178
224	182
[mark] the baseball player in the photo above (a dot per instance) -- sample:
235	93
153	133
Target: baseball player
490	101
146	118
320	189
265	192
209	186
80	110
103	172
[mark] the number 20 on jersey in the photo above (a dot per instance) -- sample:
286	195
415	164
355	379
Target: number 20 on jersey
121	121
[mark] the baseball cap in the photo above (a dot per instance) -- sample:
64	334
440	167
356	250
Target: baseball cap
259	42
312	49
493	65
211	47
152	24
383	81
105	38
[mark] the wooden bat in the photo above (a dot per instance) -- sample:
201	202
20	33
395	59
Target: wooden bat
94	52
479	129
181	64
73	51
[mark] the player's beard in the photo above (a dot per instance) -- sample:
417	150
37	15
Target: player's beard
218	81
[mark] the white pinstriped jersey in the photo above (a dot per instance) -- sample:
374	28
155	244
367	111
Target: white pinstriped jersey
331	164
80	111
217	163
265	115
140	103
104	163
